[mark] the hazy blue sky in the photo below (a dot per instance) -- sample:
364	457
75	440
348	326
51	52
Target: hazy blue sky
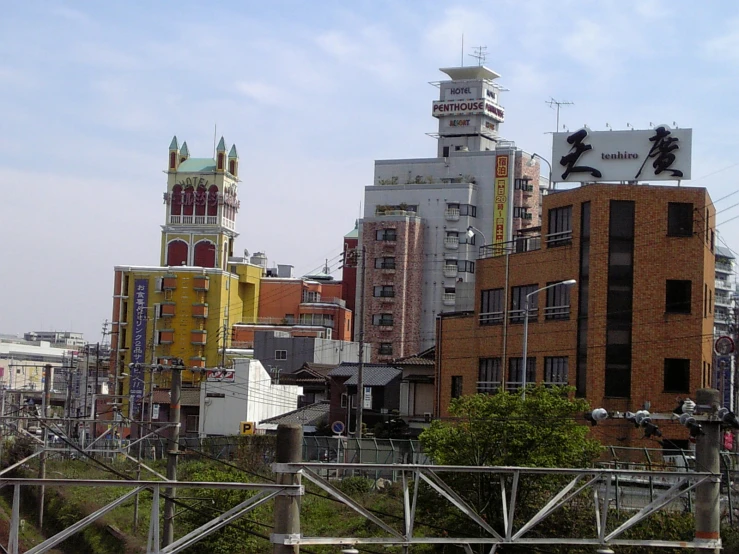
311	93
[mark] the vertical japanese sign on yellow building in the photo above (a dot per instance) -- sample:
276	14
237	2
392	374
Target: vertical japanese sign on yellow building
501	201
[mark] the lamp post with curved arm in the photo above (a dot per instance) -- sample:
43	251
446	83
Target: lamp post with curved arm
535	155
567	283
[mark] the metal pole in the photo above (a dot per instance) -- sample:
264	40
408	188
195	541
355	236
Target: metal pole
360	367
525	342
174	417
287	508
46	401
707	494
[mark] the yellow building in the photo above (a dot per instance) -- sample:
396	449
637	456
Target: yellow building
184	308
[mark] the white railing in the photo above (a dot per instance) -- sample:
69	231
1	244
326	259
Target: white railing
200	220
450	271
449	298
451	242
557	312
187	219
491	318
212	220
174	218
452	214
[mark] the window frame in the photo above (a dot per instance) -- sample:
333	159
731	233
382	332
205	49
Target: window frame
383	291
382	350
556	365
457	386
381	319
490	298
674	307
559	229
552	310
512	384
279	356
676	227
684	378
383	263
389	234
488	368
516	313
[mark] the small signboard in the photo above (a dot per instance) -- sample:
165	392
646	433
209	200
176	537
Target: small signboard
221	375
247	428
337	427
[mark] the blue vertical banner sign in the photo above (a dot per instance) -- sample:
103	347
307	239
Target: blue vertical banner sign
138	348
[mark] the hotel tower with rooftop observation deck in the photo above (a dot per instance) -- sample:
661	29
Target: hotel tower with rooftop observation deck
425	219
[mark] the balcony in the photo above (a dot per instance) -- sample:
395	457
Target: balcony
450	271
724	267
449	299
200	310
166	336
452	243
198	337
201	283
333	300
723	284
167	310
451	214
723	300
169	283
175	219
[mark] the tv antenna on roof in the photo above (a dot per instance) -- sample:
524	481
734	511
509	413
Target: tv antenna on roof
480	54
552	102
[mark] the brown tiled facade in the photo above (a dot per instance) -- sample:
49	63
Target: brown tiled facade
392	294
627	356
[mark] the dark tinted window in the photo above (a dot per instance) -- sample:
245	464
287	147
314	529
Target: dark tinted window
677	375
677	296
680	219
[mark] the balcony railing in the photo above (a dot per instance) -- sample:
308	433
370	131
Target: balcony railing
491	318
516	246
451	242
212	220
517	316
723	284
200	220
187	219
449	299
560	238
451	214
450	270
174	219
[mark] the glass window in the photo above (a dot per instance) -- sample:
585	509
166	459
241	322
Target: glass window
386	234
560	226
489	375
677	296
558	302
556	370
382	319
280	354
515	372
386	349
456	386
491	306
518	303
385	263
680	219
677	375
465	266
384	291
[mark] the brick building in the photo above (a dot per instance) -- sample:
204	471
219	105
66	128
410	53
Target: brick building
636	329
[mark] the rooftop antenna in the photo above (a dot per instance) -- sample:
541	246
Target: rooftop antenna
552	102
480	54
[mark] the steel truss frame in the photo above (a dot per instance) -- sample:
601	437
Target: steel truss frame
597	481
264	493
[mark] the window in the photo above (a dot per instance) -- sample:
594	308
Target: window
677	296
555	370
311	296
489	375
468	210
464	238
445	152
518	303
523	184
280	354
386	349
384	291
558	302
385	320
515	372
456	386
560	226
677	375
680	219
290	319
385	263
386	234
325	320
491	306
464	266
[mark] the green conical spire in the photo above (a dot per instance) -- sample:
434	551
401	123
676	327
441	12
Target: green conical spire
221	146
233	153
184	152
173	145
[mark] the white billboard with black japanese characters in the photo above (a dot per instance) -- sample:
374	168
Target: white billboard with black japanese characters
659	154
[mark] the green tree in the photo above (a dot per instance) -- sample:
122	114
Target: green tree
546	429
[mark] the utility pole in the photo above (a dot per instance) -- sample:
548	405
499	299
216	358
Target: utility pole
45	402
360	366
707	494
287	507
172	453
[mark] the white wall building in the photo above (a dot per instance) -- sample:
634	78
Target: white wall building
245	395
22	362
458	189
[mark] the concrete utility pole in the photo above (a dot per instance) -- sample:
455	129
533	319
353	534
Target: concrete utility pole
707	507
360	366
172	451
45	403
287	507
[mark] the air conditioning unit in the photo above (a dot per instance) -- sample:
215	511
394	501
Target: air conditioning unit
427	417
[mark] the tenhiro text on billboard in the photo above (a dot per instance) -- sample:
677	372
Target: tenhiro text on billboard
501	193
138	346
659	154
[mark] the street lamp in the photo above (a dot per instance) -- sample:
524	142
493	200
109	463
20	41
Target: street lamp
567	283
535	155
471	230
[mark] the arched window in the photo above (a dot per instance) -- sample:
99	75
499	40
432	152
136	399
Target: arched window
220	160
189	200
175	205
205	254
232	167
213	200
177	253
173	160
201	199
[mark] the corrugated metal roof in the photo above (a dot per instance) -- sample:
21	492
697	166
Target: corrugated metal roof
189	397
724	252
197	165
315	415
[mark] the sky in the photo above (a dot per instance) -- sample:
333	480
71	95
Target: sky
311	93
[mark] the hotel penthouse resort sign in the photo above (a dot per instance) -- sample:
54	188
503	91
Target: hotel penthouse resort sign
659	154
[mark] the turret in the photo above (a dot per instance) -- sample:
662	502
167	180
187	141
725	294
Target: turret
174	155
184	152
233	161
221	156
